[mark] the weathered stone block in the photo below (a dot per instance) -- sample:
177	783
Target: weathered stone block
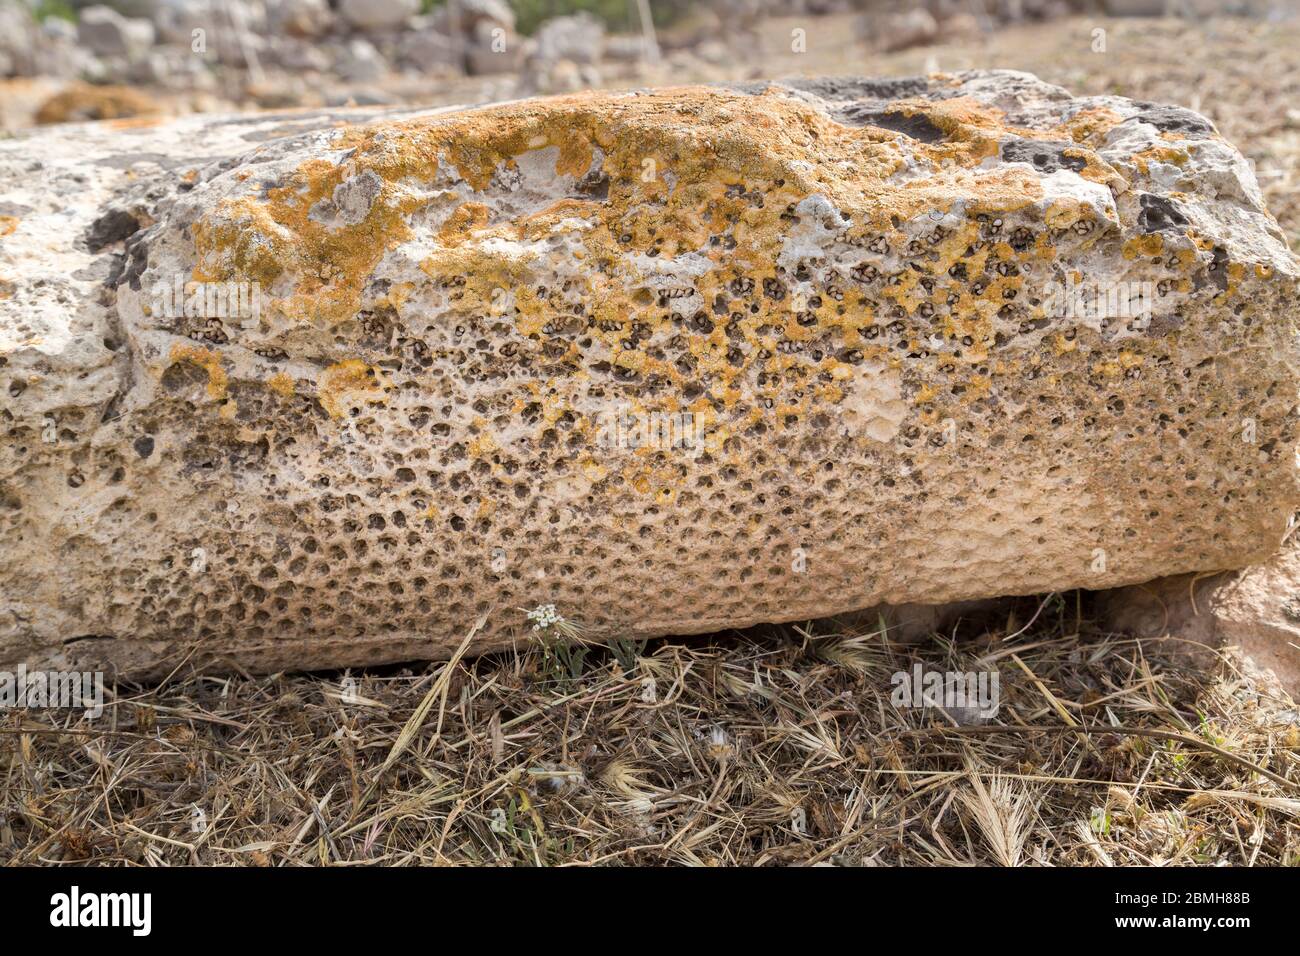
306	392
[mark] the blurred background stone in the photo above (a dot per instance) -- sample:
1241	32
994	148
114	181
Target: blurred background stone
106	32
378	14
299	18
580	38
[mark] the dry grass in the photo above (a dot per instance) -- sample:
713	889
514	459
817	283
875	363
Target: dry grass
778	746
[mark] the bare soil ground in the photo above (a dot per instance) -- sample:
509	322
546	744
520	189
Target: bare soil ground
778	746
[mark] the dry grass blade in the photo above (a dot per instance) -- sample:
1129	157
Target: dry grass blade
413	724
1002	814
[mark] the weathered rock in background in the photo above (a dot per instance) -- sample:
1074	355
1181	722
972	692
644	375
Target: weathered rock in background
915	27
467	14
579	38
82	102
31	49
1256	610
429	51
842	293
360	62
304	19
378	14
106	32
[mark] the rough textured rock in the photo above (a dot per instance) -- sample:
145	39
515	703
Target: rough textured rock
843	286
1256	610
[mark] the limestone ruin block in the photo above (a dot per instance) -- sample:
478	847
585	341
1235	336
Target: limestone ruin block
323	389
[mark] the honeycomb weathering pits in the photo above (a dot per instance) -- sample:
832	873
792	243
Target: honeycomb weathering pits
849	289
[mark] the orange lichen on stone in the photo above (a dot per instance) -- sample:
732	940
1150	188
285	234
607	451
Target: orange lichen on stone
1151	244
347	385
282	384
1089	126
706	139
1171	155
467	218
83	101
209	361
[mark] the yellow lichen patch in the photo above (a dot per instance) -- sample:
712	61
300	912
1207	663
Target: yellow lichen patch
1089	127
8	224
1064	213
80	102
282	384
347	385
209	361
1129	359
1150	244
1173	136
1097	170
465	219
998	191
482	445
1236	271
593	470
1063	343
1170	155
1109	370
543	221
136	122
258	240
971	129
715	144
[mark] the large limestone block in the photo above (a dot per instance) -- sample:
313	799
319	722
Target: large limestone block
671	361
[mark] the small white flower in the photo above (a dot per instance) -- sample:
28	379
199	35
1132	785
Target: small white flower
545	616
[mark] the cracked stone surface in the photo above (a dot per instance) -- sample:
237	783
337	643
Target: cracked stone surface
321	389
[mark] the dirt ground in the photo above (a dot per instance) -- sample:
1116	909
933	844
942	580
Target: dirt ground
777	746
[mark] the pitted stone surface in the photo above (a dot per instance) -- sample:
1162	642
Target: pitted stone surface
845	284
